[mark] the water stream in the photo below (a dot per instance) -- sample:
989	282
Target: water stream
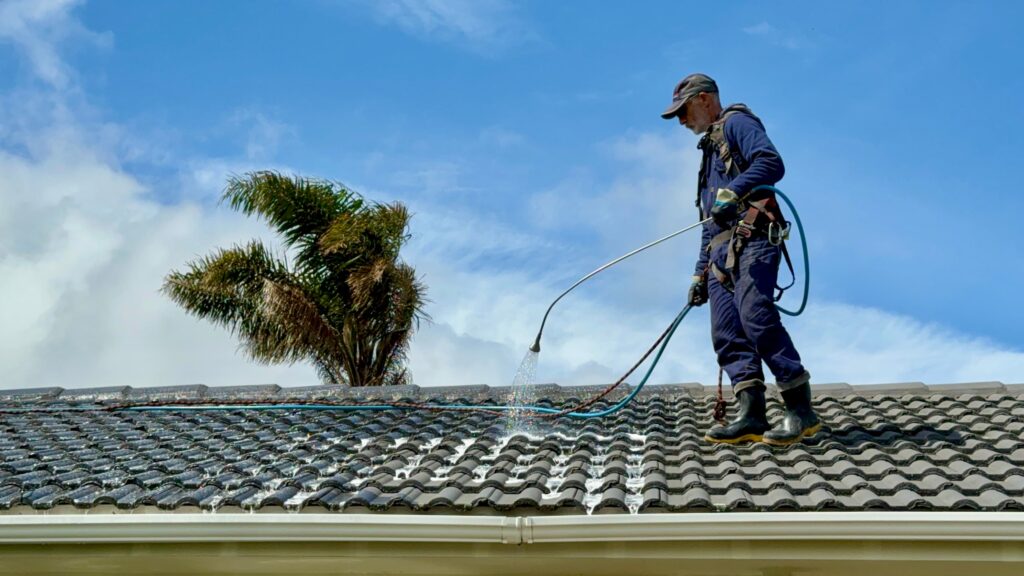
523	394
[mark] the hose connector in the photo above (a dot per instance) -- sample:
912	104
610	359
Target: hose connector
536	345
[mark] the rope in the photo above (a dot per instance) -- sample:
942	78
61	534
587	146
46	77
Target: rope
720	405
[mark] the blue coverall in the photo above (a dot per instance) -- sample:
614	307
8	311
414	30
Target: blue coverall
745	325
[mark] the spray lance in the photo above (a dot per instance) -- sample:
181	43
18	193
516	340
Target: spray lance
807	271
536	343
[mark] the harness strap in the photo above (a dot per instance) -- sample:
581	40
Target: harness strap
714	141
792	273
737	238
719	239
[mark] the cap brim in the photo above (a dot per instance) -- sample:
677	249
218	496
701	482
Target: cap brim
673	110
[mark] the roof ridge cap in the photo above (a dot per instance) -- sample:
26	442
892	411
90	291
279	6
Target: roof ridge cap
275	392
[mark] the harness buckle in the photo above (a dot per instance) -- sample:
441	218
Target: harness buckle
778	233
744	230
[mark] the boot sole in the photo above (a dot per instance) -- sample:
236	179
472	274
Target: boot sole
737	440
807	433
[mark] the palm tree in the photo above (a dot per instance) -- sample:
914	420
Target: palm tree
347	304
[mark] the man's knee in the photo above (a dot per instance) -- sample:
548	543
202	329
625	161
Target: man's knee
722	339
758	317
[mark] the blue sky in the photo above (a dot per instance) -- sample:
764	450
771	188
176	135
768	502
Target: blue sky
526	138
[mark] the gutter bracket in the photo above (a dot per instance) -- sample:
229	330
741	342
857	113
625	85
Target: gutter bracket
526	530
511	530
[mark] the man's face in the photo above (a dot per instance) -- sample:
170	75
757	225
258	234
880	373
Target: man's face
696	115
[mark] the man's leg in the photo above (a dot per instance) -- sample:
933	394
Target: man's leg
739	359
759	269
736	353
755	287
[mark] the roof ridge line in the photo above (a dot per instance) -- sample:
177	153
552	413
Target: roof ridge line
275	392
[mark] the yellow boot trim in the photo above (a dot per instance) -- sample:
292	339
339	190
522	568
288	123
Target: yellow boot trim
807	433
737	440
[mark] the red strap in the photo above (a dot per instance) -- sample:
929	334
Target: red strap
720	405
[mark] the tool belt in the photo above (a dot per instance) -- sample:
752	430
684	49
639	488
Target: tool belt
762	218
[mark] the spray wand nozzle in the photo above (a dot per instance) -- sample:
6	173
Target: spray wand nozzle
536	344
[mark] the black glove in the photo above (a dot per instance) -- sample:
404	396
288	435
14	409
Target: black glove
698	292
726	207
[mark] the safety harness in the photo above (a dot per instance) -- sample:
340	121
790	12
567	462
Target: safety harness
762	216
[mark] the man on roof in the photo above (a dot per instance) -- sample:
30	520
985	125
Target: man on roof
738	265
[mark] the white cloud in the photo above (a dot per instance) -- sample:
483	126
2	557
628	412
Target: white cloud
842	343
436	178
775	36
488	26
35	27
82	257
263	134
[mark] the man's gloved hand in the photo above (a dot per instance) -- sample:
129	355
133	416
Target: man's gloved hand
727	205
698	292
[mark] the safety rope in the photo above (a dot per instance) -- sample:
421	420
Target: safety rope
719	412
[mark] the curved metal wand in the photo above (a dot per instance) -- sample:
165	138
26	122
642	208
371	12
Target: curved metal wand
536	343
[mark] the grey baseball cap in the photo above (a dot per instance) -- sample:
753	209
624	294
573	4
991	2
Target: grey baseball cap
688	88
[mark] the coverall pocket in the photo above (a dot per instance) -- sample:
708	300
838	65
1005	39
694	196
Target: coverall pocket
759	258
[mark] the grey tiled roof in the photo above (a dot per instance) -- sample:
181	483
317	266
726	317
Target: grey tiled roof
896	447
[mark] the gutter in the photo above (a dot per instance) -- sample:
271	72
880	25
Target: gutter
731	526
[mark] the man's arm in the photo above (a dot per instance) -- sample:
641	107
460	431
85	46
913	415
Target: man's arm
764	164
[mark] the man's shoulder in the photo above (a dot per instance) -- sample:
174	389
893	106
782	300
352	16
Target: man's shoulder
739	118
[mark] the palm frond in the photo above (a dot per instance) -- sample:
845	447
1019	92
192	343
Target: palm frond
309	333
300	209
365	285
224	287
349	305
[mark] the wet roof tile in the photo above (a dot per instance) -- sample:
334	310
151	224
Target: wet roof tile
894	447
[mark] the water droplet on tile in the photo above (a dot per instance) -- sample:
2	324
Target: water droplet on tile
633	503
480	471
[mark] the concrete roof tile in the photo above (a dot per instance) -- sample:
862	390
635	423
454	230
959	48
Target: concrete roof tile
896	447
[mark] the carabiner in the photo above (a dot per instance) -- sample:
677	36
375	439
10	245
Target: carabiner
778	233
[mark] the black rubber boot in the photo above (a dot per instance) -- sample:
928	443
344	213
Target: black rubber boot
800	420
750	423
